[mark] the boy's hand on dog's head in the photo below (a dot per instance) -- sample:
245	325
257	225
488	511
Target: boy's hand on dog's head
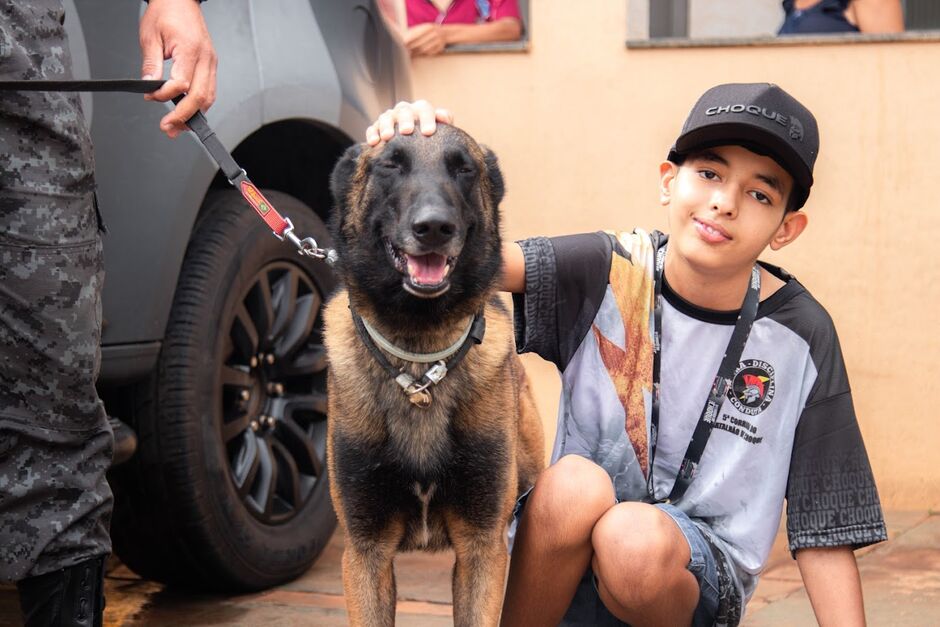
405	114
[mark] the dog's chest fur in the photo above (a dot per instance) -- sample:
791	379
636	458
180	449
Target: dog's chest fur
393	458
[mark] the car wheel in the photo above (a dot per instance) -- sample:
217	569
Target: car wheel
228	489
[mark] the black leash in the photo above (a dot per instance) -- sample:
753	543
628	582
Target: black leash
132	86
280	225
418	391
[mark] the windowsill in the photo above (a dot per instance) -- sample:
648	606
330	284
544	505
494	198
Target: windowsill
789	40
498	46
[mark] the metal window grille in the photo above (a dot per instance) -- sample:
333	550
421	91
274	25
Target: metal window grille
669	18
921	14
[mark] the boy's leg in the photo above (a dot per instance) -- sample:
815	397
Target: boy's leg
641	560
552	549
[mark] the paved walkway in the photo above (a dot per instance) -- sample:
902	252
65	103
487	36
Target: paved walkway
901	579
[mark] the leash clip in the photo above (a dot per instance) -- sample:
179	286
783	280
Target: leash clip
306	246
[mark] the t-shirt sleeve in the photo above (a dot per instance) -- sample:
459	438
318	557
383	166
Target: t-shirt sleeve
504	8
565	282
831	495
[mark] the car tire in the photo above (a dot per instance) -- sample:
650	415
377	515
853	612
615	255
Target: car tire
228	489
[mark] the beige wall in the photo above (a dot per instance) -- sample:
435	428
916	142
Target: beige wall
580	124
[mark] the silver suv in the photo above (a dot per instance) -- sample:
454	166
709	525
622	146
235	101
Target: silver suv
212	347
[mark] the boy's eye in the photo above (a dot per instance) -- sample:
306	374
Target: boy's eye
708	174
761	197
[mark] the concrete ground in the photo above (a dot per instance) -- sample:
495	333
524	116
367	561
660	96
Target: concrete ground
901	580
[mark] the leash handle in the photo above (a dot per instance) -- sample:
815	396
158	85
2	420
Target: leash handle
281	226
132	86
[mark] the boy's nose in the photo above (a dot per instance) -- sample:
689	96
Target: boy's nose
725	202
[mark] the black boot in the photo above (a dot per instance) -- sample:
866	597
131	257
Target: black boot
71	597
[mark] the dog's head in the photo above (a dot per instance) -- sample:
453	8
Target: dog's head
416	221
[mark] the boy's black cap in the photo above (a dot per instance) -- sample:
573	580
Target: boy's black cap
763	118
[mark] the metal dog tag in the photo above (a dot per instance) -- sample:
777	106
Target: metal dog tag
421	398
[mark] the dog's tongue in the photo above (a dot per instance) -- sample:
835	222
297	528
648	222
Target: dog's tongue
427	269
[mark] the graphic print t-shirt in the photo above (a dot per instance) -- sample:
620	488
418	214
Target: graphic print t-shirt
786	430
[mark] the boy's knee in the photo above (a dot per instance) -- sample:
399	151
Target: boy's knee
636	546
576	481
570	494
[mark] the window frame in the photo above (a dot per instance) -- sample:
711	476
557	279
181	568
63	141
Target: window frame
520	45
671	16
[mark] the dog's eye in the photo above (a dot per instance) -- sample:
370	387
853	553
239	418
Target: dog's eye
389	166
466	170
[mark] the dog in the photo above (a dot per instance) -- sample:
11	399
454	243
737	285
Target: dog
424	451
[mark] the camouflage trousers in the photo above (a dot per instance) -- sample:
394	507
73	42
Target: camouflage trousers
55	442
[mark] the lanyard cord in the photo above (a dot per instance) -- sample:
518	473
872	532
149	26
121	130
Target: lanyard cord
720	386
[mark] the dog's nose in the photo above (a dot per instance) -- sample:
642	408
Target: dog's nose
433	226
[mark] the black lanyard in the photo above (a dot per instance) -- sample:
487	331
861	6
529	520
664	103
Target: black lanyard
726	370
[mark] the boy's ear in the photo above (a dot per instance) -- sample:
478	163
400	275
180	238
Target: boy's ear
793	224
340	183
497	186
667	173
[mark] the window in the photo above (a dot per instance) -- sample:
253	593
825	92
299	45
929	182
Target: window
521	44
726	22
921	14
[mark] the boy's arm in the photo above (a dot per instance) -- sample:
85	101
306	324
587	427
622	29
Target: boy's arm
832	582
513	279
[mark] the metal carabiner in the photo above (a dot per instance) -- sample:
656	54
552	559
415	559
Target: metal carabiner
306	246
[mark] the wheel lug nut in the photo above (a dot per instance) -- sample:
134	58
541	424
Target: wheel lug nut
269	358
270	420
254	362
254	425
275	389
245	395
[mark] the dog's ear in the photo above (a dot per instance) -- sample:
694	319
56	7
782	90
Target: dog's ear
340	183
497	187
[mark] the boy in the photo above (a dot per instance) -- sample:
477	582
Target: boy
637	520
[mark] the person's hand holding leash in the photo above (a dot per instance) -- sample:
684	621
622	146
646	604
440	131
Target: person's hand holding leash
404	115
175	29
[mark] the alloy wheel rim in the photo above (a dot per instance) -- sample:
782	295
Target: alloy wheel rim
271	388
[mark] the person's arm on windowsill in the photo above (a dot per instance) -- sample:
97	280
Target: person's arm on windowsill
877	16
430	39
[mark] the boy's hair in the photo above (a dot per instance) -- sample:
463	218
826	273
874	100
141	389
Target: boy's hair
761	117
792	198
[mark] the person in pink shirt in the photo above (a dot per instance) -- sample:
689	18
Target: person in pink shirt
432	25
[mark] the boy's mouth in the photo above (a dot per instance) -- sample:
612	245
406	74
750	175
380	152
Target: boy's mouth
711	232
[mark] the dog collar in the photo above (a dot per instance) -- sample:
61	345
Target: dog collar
418	392
418	358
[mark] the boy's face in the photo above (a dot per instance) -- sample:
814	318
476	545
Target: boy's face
726	205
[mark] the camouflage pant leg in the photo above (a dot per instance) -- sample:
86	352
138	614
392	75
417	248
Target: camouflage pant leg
55	441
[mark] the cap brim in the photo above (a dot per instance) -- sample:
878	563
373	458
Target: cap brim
753	138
